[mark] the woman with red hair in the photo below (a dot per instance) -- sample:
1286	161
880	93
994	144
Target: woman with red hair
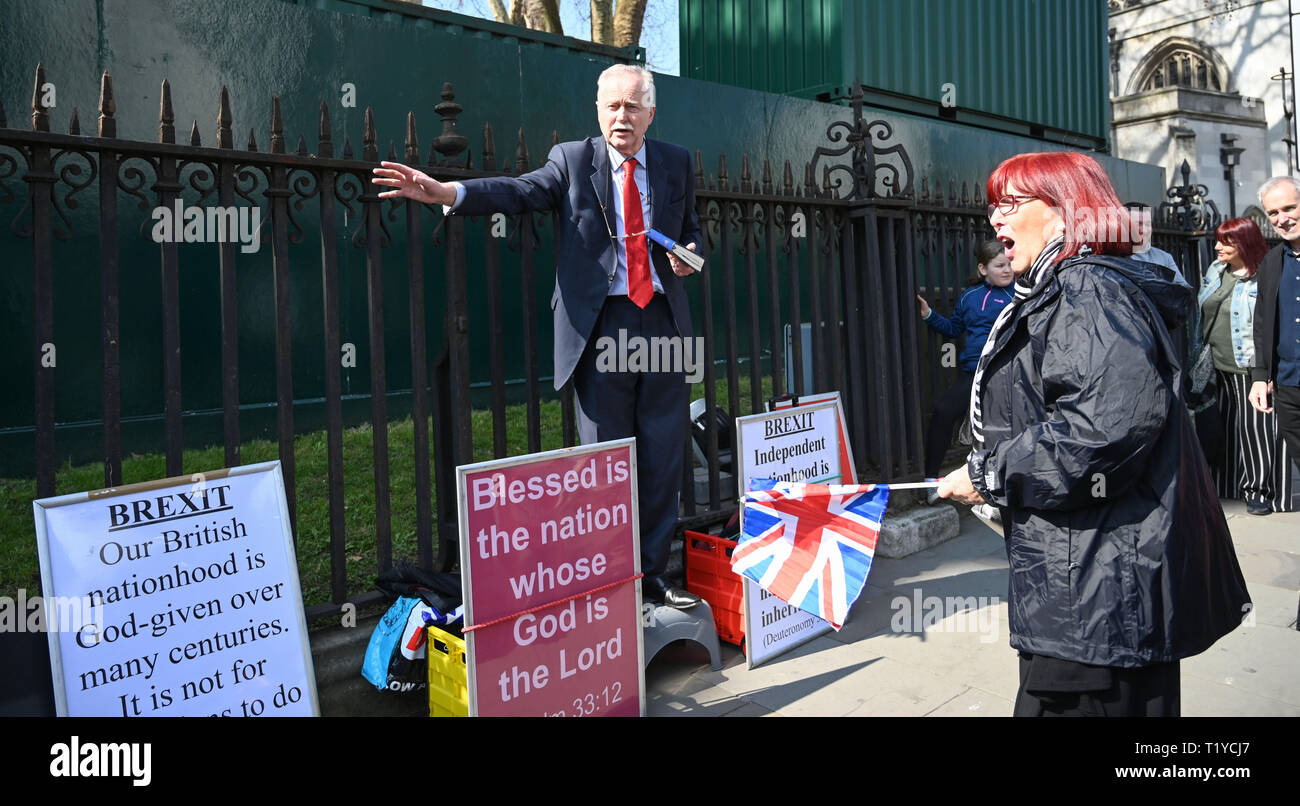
1120	559
1255	464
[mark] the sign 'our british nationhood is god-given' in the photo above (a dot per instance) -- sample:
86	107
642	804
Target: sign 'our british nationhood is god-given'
193	606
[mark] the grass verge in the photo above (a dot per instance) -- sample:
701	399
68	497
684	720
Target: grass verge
19	567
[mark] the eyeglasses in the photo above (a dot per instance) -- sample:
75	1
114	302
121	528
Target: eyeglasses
1008	204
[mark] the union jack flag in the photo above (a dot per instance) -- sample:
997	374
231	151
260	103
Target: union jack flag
811	544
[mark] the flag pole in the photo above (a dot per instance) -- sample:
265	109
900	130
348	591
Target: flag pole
910	485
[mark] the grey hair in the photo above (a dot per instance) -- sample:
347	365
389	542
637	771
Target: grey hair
1274	182
646	78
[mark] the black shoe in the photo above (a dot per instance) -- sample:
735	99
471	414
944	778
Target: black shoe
1258	508
656	589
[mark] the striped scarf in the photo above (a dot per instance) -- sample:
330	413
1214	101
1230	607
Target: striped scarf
1024	285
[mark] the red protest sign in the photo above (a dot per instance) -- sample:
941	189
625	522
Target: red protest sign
549	556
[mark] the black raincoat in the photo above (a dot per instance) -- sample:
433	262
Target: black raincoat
1118	548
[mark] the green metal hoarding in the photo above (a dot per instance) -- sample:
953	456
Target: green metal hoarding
397	59
1030	67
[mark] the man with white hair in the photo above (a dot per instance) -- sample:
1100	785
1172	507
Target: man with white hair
1276	373
610	285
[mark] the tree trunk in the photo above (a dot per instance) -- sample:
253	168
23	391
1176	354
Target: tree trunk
602	22
499	11
544	15
628	16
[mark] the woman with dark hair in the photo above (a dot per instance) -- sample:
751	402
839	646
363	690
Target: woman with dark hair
1256	465
1120	559
977	309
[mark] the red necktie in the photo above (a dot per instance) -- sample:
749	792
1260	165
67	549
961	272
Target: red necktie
639	288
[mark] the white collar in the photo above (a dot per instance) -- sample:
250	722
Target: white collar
616	159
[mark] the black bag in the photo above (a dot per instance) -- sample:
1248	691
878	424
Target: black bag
1203	404
396	658
440	591
1208	422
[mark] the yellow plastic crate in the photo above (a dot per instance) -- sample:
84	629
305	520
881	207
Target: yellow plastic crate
448	674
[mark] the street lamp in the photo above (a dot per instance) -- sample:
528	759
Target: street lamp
1229	158
1288	111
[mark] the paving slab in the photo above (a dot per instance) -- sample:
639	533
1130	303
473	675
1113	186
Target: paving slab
1272	605
975	702
958	651
1262	660
1278	532
892	688
856	686
1280	569
969	551
987	585
693	698
870	614
942	667
752	709
792	668
1201	697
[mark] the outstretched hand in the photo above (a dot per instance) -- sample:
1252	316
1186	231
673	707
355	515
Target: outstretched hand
412	184
925	306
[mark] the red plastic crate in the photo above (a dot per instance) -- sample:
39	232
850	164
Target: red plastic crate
709	576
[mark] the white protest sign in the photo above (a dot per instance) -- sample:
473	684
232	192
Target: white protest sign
848	470
799	444
197	609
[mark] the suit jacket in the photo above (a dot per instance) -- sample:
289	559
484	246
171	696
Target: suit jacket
1269	278
577	182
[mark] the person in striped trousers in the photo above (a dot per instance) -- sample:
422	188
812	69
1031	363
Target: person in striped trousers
1256	463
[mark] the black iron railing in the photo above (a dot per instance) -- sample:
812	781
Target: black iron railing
843	252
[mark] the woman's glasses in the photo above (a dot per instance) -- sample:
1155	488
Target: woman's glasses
1008	204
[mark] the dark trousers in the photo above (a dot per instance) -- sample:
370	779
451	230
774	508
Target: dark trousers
650	405
1286	405
951	406
1053	687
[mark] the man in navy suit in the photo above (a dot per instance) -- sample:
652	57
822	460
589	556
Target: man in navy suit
1276	372
610	286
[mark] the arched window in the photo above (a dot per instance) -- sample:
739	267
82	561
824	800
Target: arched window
1261	220
1180	62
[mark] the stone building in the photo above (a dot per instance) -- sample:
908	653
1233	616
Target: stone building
1201	81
